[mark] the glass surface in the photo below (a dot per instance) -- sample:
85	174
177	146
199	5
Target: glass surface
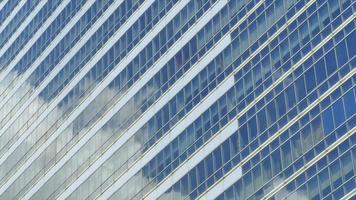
89	105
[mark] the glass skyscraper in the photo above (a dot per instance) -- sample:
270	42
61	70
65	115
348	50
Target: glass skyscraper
177	99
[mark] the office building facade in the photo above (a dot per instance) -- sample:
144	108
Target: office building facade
177	99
